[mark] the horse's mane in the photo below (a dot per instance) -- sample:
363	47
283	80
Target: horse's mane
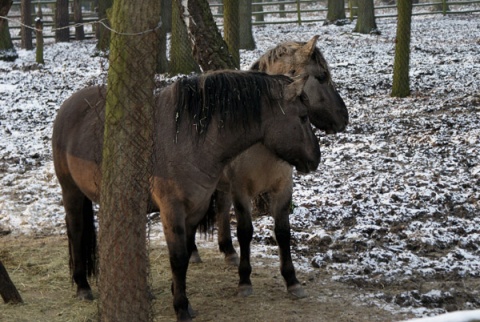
234	96
289	48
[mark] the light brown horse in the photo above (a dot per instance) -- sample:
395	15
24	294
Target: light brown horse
201	123
257	171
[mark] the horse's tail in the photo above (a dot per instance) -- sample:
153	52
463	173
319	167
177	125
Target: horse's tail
89	238
207	224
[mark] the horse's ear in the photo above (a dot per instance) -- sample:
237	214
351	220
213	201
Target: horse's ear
307	50
295	88
259	65
255	66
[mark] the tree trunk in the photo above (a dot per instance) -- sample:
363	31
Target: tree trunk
231	29
336	12
259	17
442	6
102	33
62	33
162	61
401	67
209	49
26	43
166	13
353	6
78	18
39	35
126	162
7	51
246	34
181	57
8	291
366	18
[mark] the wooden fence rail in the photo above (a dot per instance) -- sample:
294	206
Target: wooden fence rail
272	12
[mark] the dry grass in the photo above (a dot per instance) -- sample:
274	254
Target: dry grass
39	268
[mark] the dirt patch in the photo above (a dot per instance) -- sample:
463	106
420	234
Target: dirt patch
39	268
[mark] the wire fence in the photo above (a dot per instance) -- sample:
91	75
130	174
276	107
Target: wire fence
263	13
127	161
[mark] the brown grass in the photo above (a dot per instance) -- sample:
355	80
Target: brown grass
39	268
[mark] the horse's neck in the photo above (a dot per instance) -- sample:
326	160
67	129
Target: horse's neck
228	143
202	157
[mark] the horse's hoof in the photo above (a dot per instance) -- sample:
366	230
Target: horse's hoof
85	295
195	258
183	316
232	260
245	290
297	291
151	296
191	311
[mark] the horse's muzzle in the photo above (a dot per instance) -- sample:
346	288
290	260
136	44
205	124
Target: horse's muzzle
306	167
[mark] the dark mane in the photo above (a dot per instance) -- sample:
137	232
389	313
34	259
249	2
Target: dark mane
234	96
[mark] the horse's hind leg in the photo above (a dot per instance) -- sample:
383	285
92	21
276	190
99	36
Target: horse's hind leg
81	239
244	235
195	255
223	205
280	209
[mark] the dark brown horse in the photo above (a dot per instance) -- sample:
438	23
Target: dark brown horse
201	123
258	171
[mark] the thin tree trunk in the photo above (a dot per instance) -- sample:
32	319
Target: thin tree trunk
102	33
401	67
366	18
62	33
8	291
442	6
162	61
336	11
126	162
353	6
26	43
181	57
209	49
281	7
246	35
39	35
166	13
78	18
231	28
7	51
259	17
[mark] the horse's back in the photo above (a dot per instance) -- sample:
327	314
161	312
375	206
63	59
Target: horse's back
77	139
257	170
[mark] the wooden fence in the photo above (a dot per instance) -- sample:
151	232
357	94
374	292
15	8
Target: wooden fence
266	12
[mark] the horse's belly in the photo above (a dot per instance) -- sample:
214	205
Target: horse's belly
86	175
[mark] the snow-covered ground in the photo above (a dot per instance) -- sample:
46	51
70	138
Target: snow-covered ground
396	197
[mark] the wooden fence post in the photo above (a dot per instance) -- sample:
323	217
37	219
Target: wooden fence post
39	36
26	8
299	13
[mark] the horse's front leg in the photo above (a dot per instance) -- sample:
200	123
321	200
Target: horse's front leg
280	209
223	205
244	235
176	237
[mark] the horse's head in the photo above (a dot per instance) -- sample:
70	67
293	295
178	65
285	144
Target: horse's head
287	129
327	110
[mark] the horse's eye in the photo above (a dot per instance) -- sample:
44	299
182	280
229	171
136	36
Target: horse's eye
321	78
292	72
304	119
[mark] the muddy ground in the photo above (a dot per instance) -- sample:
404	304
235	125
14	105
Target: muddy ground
39	268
